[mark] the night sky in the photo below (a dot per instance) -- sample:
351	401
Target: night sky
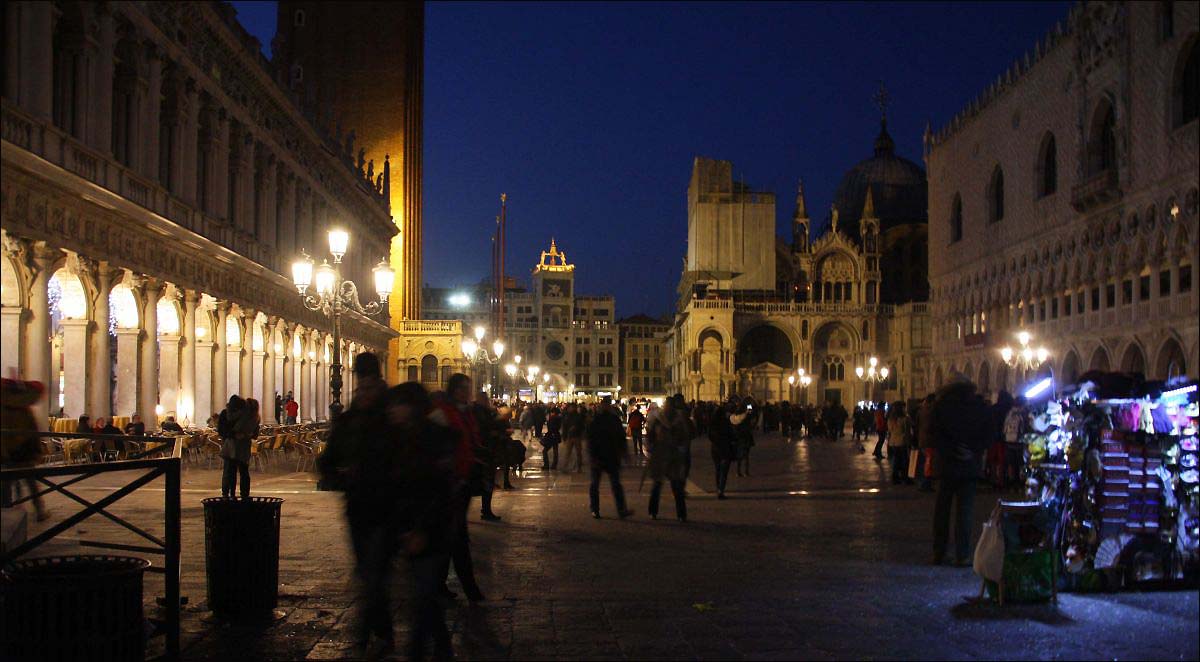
589	115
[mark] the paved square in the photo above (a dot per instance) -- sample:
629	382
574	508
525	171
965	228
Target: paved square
815	556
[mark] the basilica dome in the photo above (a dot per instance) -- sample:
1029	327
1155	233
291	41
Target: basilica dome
898	188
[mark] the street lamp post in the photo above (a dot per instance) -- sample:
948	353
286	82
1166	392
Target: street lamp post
873	374
477	354
1027	357
801	379
333	296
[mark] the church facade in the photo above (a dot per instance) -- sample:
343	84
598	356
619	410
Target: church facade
755	309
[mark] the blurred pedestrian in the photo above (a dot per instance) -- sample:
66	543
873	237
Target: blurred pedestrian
743	433
22	447
492	431
962	424
898	441
454	410
669	439
606	448
363	460
573	429
723	438
636	421
551	439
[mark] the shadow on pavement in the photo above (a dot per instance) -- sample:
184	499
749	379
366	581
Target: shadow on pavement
983	610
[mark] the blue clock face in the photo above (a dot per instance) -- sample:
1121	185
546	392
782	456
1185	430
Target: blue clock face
554	351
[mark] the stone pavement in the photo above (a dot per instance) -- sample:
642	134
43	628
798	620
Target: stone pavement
815	556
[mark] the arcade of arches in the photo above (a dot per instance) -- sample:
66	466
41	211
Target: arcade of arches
108	341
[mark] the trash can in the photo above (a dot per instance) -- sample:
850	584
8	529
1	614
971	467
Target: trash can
85	607
241	553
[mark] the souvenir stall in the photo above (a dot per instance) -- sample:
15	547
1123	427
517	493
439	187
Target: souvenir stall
1112	470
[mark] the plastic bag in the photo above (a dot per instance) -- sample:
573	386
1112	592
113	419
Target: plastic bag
989	552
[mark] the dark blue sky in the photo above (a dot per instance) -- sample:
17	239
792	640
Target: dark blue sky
588	115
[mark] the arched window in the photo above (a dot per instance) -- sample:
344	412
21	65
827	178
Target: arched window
1102	141
429	369
1185	97
956	219
996	196
1047	170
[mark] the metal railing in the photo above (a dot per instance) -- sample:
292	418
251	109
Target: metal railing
168	545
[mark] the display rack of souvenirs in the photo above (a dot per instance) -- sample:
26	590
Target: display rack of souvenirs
1115	460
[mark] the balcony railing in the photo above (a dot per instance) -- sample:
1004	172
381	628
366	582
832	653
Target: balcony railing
788	308
431	326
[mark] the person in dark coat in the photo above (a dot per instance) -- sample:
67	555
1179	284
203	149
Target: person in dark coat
743	428
670	436
493	431
551	440
961	429
724	447
360	459
607	446
237	426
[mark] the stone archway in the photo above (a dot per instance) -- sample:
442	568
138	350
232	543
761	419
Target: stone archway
764	359
1171	360
1070	368
1099	360
711	358
1133	360
834	345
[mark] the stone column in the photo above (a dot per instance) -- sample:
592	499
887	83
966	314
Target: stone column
306	380
219	159
268	377
101	133
247	174
246	366
235	165
151	289
100	385
10	327
220	393
169	359
151	109
189	128
75	373
37	331
285	222
267	202
172	126
204	403
288	359
187	360
127	372
37	59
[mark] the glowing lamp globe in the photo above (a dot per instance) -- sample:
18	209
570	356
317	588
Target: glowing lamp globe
325	277
339	240
302	272
385	278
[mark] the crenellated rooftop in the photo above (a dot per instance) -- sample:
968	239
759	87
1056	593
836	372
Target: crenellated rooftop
1014	73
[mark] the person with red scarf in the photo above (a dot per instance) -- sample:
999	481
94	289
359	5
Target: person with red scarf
455	409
